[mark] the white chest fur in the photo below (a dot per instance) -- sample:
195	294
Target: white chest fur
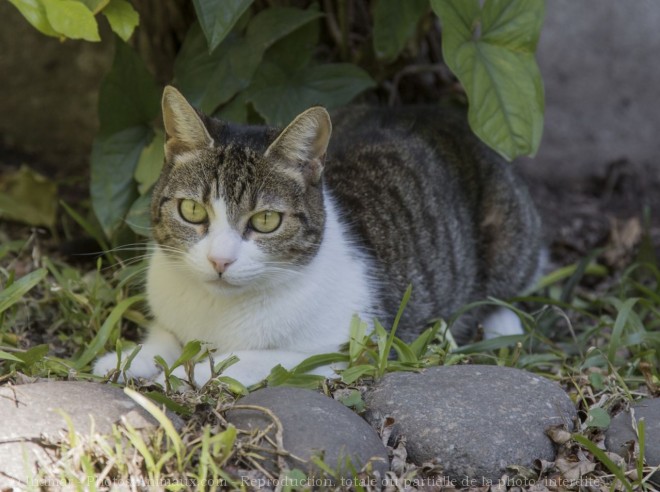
310	313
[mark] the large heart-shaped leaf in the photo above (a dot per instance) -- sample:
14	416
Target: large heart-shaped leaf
129	95
211	79
218	17
114	159
150	162
72	19
395	21
491	51
208	80
35	13
279	95
123	18
139	216
28	197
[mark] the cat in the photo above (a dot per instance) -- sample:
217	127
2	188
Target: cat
268	242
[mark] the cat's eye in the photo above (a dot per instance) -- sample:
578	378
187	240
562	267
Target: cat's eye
192	211
266	221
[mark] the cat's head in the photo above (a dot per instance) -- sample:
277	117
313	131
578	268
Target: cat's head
239	206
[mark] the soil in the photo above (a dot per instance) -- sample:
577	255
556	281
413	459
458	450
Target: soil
614	208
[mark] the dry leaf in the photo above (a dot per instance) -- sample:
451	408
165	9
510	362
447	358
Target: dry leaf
28	197
558	434
572	471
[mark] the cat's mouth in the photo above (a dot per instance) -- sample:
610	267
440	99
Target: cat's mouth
223	283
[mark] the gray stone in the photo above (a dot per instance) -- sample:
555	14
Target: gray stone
601	90
30	412
472	420
313	424
621	432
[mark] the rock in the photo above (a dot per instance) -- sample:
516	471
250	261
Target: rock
621	432
472	420
29	412
311	424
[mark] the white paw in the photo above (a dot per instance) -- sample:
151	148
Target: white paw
502	322
105	364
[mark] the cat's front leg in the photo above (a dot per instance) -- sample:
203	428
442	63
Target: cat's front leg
252	367
158	342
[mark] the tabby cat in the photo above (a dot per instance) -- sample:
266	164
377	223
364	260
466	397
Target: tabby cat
268	242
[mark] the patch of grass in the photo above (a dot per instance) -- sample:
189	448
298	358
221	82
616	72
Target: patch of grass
593	330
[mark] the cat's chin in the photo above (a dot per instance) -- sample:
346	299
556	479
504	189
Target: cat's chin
227	287
222	285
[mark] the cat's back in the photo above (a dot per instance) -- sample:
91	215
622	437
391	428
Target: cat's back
416	187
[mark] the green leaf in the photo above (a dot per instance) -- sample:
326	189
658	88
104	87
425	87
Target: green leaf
311	363
123	18
33	355
358	339
95	5
12	294
354	373
605	460
151	162
279	96
273	24
354	400
35	13
162	419
491	51
208	80
190	350
97	344
72	19
28	197
8	356
138	217
217	17
169	404
395	22
421	343
490	344
236	110
233	385
114	159
404	352
596	380
622	318
597	417
129	95
211	79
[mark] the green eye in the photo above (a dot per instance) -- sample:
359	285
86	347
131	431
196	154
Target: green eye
192	212
266	221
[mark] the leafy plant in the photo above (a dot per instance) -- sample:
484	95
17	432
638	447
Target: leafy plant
247	63
77	19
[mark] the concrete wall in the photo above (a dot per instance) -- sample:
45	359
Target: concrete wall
48	92
600	60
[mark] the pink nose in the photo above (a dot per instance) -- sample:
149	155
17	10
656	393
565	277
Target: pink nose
220	264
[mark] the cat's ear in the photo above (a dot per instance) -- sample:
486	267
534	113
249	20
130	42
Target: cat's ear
184	128
302	145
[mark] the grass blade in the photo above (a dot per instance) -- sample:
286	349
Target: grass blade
102	336
12	294
620	323
605	460
162	419
390	339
